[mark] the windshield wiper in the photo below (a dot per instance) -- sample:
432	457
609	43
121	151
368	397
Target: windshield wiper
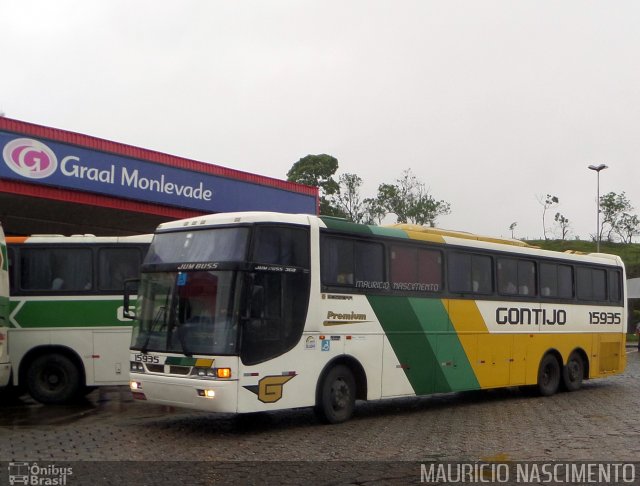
176	329
161	314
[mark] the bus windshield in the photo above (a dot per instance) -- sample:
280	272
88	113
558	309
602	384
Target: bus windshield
210	245
187	313
203	292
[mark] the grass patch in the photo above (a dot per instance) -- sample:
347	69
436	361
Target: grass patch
629	252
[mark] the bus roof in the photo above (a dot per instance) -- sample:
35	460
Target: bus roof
239	217
85	239
403	231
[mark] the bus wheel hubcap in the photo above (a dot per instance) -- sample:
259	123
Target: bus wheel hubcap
340	394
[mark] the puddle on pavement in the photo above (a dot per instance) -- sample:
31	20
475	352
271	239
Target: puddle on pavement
103	402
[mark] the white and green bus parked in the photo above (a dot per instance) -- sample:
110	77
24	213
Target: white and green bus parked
5	365
251	312
67	333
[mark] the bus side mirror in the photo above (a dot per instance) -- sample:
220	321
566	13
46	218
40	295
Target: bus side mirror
130	288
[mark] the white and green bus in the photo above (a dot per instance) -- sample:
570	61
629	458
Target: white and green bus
5	365
67	333
251	312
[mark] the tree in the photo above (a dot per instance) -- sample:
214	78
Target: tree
563	223
628	226
512	227
546	203
347	199
612	208
318	171
410	201
374	212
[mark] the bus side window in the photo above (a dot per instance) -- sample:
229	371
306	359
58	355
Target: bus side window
115	265
56	269
470	273
276	311
338	264
35	269
282	246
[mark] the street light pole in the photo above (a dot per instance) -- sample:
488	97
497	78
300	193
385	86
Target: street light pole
598	168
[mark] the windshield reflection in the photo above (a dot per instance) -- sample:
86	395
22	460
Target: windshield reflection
188	313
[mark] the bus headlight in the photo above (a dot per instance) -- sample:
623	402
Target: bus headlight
136	367
135	385
224	373
207	393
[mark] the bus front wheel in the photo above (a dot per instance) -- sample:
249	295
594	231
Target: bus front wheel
53	379
548	375
337	395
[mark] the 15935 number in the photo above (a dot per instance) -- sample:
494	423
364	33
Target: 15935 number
146	358
605	318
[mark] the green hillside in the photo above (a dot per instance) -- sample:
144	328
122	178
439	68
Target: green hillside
630	253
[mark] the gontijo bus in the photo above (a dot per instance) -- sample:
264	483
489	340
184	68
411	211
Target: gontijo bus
5	365
67	332
249	312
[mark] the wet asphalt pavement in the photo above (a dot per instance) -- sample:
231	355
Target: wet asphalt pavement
109	438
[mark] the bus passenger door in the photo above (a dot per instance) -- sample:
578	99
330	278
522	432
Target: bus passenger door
395	382
111	356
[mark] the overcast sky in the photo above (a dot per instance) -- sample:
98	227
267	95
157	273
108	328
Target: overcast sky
492	104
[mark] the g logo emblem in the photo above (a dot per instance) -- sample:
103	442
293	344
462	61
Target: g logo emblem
30	158
269	388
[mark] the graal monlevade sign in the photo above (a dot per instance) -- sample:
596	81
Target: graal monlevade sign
68	166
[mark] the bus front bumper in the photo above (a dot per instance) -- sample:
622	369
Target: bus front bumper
208	395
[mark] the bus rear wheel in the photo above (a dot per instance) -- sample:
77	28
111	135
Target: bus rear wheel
336	396
53	379
548	375
573	373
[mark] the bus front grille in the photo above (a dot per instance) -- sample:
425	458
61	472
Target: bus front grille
179	370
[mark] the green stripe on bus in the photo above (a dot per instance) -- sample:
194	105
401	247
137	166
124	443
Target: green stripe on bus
452	359
180	361
394	232
425	343
68	313
4	311
344	225
4	258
